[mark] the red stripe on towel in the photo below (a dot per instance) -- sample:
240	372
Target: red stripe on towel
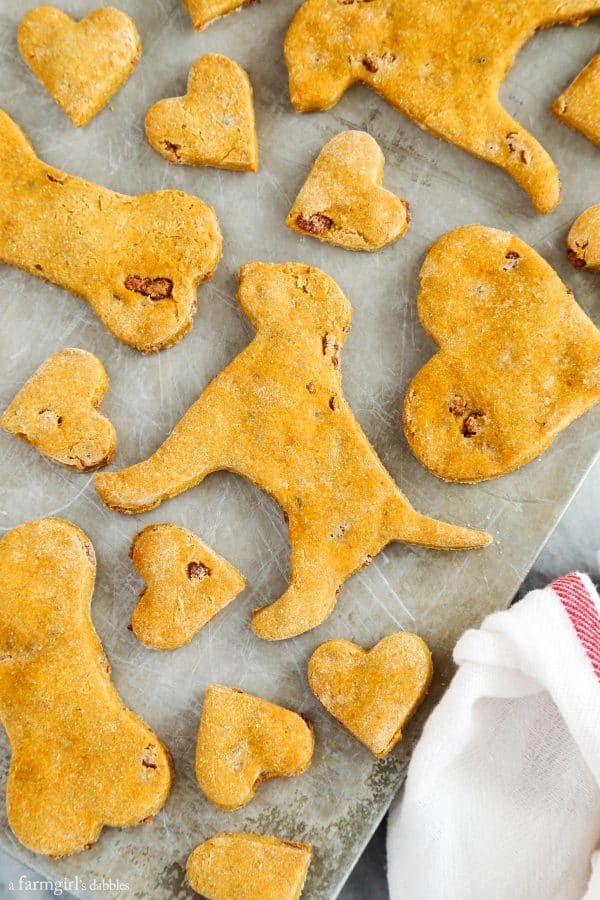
583	614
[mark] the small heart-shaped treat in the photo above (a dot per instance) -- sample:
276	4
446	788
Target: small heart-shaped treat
518	361
248	867
583	242
204	11
244	740
213	125
372	693
579	106
342	201
187	584
57	411
81	64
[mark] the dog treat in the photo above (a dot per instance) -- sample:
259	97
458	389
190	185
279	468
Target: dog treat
243	741
579	106
277	416
81	64
57	411
187	585
583	242
136	260
203	12
213	125
248	867
80	758
441	64
372	693
342	201
519	360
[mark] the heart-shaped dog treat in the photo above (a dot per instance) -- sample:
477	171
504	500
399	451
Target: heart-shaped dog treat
213	125
519	360
187	584
81	64
204	11
80	759
372	693
244	740
583	242
579	106
342	201
248	867
57	411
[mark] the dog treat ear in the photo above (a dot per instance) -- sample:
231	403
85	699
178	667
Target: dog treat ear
80	759
441	64
518	361
136	260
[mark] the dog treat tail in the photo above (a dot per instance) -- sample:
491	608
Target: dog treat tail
412	527
13	141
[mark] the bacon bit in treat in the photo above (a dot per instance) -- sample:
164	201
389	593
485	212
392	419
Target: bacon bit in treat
458	405
197	570
155	288
315	224
150	757
473	424
310	387
512	261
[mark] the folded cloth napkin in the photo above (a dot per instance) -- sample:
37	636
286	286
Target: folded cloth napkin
502	798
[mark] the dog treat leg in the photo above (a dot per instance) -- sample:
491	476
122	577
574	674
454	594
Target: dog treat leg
136	260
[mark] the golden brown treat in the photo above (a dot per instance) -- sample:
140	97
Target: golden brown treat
441	64
342	201
245	740
81	64
213	125
136	260
187	585
80	759
248	867
58	411
583	242
579	106
277	416
372	693
203	12
519	360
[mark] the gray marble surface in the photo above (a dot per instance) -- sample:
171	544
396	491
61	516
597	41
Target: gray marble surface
574	545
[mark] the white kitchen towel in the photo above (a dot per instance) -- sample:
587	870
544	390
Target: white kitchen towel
502	798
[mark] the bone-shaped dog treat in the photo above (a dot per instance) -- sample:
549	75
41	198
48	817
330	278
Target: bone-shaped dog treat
136	260
203	12
244	740
579	106
342	201
187	585
278	417
441	64
57	411
583	242
213	125
372	693
81	64
519	360
248	867
80	759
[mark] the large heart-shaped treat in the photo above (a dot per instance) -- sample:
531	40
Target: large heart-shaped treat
57	411
213	125
204	11
244	740
579	106
187	584
81	64
342	201
583	242
519	360
248	867
372	693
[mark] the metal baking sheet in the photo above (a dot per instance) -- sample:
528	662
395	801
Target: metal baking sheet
338	802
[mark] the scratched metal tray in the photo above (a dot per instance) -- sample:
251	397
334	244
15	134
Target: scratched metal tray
339	801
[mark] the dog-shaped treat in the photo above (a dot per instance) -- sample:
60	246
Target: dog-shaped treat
136	260
441	64
277	416
80	758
